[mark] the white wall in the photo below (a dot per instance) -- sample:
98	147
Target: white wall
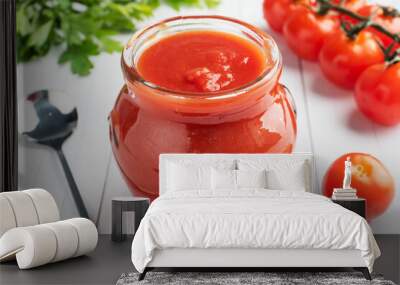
328	125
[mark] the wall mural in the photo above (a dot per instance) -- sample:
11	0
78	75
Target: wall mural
329	121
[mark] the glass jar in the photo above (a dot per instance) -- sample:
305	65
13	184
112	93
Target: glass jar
147	119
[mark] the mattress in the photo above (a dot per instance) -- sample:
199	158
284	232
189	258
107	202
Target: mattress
250	219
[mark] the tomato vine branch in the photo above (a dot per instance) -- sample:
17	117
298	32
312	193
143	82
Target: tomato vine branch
326	5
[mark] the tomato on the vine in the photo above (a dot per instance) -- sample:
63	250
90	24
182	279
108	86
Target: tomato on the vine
369	176
385	16
305	31
343	59
276	12
378	93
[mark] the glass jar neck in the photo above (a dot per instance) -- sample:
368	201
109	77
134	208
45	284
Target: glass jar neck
198	105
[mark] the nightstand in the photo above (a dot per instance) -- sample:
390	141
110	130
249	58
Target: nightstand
355	205
139	205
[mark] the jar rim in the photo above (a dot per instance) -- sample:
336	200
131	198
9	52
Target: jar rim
131	72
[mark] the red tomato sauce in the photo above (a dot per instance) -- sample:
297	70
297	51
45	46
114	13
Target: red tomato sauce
201	61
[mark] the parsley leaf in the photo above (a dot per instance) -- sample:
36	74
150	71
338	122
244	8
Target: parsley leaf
40	36
78	55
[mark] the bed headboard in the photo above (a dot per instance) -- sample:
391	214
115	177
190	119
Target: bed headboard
210	159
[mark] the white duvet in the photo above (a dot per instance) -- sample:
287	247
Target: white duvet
250	219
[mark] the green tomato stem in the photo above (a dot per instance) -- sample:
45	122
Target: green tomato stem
327	5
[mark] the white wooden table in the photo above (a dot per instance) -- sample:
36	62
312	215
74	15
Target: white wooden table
328	123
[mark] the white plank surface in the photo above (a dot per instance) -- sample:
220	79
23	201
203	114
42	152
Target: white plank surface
328	126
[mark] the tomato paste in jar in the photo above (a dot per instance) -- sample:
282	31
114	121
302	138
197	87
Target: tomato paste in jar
198	84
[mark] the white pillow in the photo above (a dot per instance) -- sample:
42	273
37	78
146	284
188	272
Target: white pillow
251	178
184	177
206	161
223	179
282	174
294	180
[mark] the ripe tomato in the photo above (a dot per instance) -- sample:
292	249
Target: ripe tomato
306	31
343	59
369	176
383	16
276	12
378	93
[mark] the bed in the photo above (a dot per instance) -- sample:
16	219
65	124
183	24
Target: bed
247	211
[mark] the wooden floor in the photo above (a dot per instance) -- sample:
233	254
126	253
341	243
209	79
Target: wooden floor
110	260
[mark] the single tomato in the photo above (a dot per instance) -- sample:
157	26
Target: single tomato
378	93
369	176
343	59
276	12
387	17
306	31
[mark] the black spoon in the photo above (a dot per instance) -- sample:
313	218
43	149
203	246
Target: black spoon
52	130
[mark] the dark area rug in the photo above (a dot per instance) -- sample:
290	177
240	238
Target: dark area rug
243	278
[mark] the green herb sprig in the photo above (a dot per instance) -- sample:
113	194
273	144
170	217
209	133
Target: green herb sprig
83	28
